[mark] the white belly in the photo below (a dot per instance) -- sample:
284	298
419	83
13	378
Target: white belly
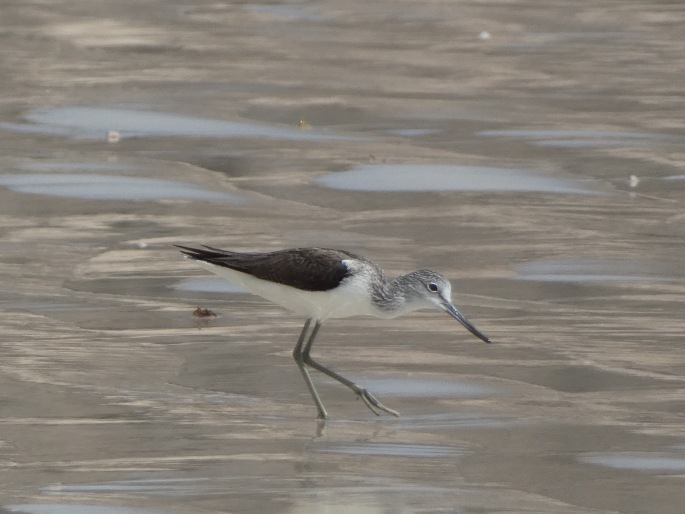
351	298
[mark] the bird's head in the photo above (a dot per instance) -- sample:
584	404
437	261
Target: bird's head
429	288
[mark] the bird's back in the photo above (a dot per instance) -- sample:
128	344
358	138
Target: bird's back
308	269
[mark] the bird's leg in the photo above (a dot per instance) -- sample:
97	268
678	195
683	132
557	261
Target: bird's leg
298	355
369	400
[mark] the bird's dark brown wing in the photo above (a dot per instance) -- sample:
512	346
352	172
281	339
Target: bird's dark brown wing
309	269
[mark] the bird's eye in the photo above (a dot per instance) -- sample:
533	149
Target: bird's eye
433	287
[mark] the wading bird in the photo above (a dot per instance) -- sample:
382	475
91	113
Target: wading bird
320	283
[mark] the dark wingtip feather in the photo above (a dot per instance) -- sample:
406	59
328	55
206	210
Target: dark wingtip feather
213	249
189	251
206	254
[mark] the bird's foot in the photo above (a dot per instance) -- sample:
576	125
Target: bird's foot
373	404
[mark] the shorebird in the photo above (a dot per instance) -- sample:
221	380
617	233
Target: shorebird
321	283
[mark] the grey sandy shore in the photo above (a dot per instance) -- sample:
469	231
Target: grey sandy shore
533	152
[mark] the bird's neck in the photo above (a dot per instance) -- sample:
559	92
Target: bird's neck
391	297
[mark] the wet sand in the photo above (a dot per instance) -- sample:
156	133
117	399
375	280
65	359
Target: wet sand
533	153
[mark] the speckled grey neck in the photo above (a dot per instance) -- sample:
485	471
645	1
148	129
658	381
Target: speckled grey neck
405	293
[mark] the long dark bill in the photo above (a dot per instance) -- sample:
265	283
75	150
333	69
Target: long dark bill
454	312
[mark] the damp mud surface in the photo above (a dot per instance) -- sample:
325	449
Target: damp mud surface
533	153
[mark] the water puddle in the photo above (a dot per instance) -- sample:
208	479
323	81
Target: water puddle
97	122
577	138
422	388
597	270
637	461
109	187
208	285
71	508
396	450
426	177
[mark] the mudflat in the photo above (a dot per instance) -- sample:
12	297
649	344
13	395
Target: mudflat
532	152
